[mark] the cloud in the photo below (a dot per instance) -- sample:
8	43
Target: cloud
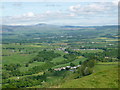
87	8
17	4
80	13
48	12
74	8
92	8
29	14
72	14
31	17
96	7
115	2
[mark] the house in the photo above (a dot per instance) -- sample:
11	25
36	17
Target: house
73	67
110	44
58	69
18	77
106	57
63	68
68	66
78	65
65	52
13	50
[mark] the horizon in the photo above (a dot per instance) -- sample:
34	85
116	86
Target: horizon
56	25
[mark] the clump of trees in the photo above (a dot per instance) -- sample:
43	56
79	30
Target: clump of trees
70	56
45	56
24	82
11	67
109	55
11	70
72	65
40	68
86	68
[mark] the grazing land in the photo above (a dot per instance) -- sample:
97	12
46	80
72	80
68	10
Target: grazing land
50	56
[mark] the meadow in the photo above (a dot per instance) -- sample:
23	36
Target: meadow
105	77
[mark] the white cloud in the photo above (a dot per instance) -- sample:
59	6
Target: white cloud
29	14
92	8
115	2
18	24
55	0
96	7
75	13
74	8
48	12
72	14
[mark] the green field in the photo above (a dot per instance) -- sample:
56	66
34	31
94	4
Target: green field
76	62
36	57
16	58
104	77
90	51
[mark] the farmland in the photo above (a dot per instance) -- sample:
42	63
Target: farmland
35	54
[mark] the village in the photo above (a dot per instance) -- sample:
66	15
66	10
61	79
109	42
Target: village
67	68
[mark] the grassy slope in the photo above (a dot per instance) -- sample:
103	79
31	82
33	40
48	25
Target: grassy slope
105	77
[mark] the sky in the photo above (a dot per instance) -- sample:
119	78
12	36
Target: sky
59	13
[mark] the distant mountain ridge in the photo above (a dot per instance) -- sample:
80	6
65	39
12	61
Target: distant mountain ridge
70	26
41	26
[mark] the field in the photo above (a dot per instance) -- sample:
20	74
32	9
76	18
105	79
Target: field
54	56
108	75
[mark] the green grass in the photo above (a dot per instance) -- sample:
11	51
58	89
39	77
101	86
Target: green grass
60	52
108	63
58	59
91	51
105	76
61	65
17	58
20	77
23	68
98	68
76	62
51	81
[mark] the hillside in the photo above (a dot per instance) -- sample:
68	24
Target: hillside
103	79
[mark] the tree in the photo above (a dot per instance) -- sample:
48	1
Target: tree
72	65
91	63
50	69
80	62
88	71
5	75
26	65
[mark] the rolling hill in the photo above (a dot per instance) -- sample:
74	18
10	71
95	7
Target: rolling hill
106	78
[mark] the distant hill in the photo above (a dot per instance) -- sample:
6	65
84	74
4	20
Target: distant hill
28	28
41	26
